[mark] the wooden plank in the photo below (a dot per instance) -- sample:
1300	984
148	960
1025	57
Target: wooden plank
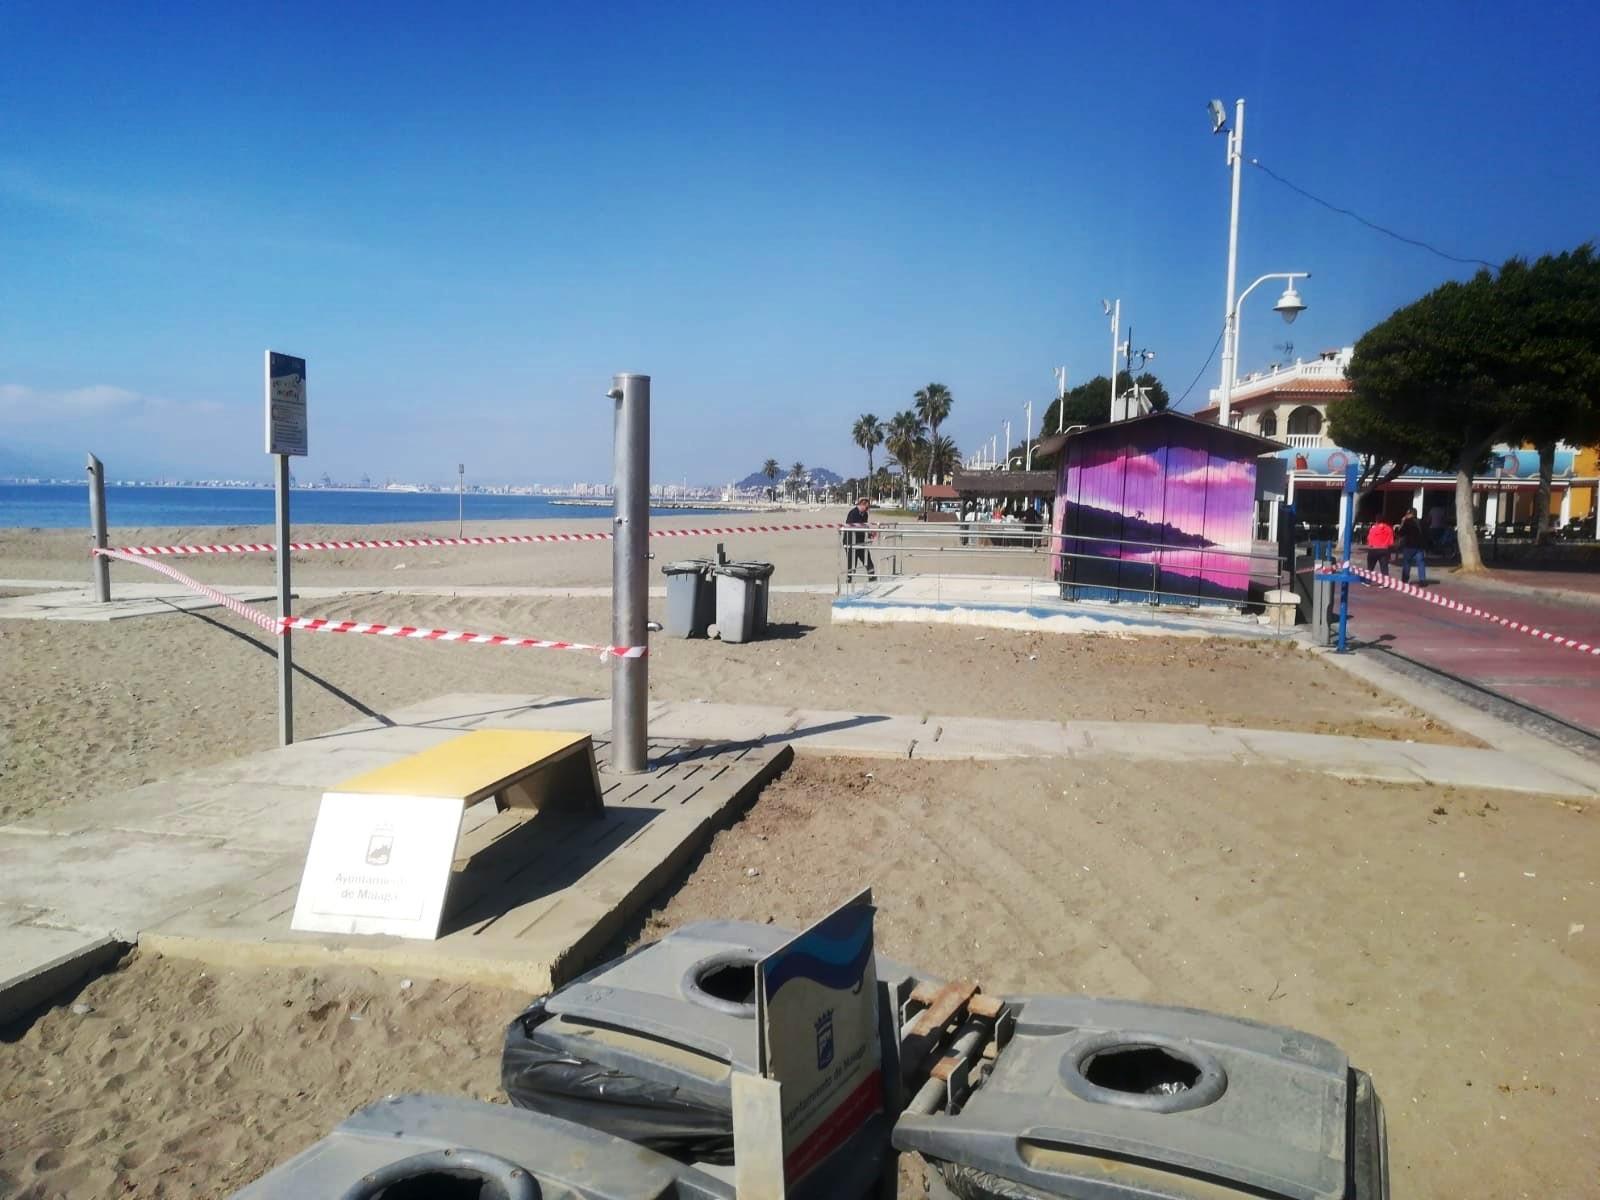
946	1003
468	767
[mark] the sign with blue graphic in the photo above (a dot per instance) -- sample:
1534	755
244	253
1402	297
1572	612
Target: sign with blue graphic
817	1000
1512	464
286	405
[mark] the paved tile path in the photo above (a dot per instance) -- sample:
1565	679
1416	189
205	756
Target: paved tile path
1555	679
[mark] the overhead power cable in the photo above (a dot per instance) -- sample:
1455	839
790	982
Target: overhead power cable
1199	373
1355	216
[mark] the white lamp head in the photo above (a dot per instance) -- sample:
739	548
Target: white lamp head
1289	305
1219	116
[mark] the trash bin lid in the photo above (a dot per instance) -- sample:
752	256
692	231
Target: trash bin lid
564	1159
687	566
745	570
1086	1084
657	991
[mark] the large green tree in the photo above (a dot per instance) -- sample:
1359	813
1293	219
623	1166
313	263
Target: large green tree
1558	367
1090	403
1496	358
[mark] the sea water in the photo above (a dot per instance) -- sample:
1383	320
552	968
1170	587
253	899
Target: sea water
66	506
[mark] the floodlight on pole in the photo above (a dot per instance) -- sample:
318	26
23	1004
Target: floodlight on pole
1289	306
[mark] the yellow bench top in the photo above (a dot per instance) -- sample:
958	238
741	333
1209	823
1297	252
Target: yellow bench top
466	767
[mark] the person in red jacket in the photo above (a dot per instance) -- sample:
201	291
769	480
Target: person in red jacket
1380	544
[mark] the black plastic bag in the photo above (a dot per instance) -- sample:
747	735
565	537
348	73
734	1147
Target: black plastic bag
548	1078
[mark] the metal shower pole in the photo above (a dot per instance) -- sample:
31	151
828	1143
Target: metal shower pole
97	526
630	581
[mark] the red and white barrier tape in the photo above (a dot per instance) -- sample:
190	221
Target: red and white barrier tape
276	626
324	625
515	539
239	607
1544	635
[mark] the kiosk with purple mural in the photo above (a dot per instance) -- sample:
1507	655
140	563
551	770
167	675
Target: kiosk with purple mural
1161	506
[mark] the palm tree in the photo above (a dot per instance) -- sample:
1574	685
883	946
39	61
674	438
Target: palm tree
868	434
933	406
770	470
901	438
797	476
943	455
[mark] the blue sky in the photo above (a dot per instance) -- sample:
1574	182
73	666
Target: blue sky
468	219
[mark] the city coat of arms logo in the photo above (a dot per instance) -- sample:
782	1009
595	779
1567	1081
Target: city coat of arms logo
825	1039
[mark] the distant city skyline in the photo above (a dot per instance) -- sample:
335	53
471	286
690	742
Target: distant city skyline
466	226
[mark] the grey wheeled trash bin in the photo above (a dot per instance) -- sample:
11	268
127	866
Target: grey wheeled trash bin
1117	1100
742	589
646	1048
691	600
439	1146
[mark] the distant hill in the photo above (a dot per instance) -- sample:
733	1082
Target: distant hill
820	477
24	464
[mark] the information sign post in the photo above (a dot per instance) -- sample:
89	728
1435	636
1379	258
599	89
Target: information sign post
286	437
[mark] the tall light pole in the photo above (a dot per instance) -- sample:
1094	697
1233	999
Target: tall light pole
1027	439
1113	309
1008	443
1235	161
1289	305
1061	400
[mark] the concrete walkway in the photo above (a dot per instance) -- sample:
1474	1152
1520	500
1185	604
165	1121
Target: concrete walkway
1031	605
76	602
218	849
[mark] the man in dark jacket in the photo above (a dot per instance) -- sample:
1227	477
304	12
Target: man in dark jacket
855	541
1413	541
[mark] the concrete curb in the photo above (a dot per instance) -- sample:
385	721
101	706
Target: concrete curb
1489	729
39	983
1522	591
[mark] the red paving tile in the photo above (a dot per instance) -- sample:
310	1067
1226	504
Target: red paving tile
1572	581
1560	680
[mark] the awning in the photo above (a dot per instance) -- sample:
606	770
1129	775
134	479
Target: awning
971	484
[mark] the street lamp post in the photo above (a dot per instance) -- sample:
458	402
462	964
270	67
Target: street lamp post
1235	161
1113	309
1289	305
1061	400
1027	439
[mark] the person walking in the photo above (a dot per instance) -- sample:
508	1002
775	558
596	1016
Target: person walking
1380	544
1413	548
855	541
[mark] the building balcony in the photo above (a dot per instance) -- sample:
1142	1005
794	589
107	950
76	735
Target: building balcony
1306	441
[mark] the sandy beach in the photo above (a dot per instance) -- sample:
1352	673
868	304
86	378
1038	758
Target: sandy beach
1435	934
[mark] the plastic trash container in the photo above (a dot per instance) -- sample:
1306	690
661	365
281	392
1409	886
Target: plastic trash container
646	1048
742	589
691	600
1115	1100
438	1146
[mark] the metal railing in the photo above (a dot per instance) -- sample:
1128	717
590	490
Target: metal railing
969	559
1306	441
